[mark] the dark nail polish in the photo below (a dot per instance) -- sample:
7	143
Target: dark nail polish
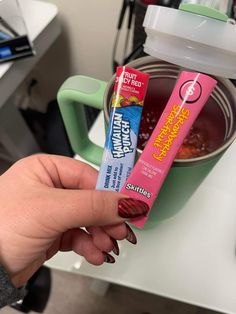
131	237
116	249
132	208
108	258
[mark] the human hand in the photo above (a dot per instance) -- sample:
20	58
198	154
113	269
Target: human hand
44	202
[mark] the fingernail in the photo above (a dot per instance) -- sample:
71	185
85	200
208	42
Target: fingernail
132	208
108	258
116	249
131	237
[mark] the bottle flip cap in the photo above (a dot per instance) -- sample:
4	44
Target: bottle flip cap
195	37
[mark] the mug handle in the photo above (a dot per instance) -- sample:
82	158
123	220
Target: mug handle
74	93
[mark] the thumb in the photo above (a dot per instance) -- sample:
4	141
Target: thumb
83	208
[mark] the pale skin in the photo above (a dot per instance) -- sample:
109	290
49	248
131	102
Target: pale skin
44	202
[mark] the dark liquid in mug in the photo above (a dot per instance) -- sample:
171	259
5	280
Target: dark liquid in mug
205	136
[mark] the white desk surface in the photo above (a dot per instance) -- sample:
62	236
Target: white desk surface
190	256
40	19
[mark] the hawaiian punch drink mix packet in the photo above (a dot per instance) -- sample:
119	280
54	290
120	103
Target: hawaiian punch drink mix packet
121	140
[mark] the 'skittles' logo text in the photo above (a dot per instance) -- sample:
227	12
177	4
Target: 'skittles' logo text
121	141
138	189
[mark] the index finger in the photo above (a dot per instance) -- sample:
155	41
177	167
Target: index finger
60	171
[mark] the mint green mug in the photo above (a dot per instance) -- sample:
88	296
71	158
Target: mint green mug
220	110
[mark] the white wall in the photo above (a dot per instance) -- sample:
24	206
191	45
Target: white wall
90	27
84	47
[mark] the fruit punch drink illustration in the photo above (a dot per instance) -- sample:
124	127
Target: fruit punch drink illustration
189	96
121	140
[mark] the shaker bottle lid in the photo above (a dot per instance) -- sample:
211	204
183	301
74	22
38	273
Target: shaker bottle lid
202	40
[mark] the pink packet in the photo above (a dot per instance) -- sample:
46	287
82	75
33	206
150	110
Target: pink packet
188	97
